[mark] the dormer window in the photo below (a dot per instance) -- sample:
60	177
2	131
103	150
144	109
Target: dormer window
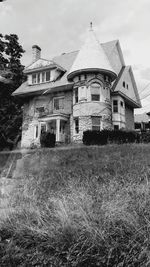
47	76
34	78
41	77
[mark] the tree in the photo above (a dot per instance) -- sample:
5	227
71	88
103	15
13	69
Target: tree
10	108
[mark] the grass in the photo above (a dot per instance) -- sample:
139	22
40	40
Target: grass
80	207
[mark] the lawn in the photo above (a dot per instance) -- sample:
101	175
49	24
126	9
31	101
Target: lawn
83	207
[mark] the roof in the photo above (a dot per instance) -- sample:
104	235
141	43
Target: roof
91	57
116	88
66	61
42	64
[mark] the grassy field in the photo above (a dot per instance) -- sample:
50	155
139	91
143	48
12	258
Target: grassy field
80	207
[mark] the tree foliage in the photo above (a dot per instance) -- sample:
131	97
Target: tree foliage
10	108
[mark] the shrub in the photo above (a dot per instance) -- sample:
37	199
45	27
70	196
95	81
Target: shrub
145	137
109	136
47	139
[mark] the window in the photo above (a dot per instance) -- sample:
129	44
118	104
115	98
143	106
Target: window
43	77
127	86
124	84
38	77
47	76
115	106
95	97
33	78
43	128
137	126
82	93
95	92
121	104
96	123
58	103
36	131
76	95
116	127
76	125
40	109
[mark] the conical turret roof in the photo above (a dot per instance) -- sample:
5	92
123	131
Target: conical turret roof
91	57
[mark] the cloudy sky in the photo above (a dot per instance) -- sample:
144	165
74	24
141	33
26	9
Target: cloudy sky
59	26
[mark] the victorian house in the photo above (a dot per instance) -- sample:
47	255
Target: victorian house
87	89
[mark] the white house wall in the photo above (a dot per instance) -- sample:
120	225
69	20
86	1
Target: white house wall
130	91
118	118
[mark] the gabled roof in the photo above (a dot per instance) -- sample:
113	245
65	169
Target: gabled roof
91	57
130	94
42	64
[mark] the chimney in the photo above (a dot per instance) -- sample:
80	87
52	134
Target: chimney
36	53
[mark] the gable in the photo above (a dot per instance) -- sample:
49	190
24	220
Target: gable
127	86
39	64
42	64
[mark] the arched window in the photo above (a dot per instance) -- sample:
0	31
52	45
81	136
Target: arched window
95	91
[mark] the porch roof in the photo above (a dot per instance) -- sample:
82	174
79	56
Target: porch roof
51	117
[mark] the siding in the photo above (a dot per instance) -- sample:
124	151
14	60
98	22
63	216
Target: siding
129	114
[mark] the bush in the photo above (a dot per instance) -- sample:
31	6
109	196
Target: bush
47	139
145	137
109	136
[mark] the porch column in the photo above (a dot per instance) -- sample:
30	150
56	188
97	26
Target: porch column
57	130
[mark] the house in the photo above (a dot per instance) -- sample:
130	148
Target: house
87	89
142	122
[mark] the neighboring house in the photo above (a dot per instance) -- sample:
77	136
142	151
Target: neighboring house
86	89
142	122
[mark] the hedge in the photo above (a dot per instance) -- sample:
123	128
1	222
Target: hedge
103	137
47	139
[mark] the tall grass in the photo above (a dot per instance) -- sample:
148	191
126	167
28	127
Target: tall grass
87	207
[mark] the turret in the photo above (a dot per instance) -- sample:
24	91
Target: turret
92	75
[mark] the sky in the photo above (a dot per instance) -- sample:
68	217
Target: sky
59	26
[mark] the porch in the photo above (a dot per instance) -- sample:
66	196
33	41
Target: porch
56	124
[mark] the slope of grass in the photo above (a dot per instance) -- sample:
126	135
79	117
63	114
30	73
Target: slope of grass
80	207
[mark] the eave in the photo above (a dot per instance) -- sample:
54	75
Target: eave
61	88
127	100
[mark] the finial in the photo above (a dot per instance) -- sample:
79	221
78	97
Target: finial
91	26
